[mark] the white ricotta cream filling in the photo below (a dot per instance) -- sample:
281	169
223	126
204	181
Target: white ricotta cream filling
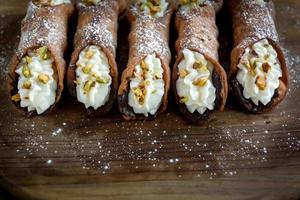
147	86
194	84
259	72
259	2
93	77
155	9
58	2
36	85
53	2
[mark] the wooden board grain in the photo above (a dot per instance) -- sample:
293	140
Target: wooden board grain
68	156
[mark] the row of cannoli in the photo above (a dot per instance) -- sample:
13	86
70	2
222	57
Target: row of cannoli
258	73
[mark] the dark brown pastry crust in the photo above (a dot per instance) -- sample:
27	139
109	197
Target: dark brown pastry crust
197	31
42	26
252	23
157	31
97	25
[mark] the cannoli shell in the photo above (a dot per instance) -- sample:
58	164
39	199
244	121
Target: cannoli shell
148	35
97	25
42	26
252	23
197	31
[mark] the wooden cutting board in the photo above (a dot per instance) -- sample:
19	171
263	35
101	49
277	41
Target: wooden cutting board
236	155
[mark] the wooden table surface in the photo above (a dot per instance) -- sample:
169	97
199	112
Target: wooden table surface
66	155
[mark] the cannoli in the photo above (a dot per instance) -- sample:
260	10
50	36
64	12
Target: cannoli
199	81
145	82
93	73
36	73
258	72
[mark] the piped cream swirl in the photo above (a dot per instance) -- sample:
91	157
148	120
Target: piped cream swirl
52	2
36	85
147	86
194	85
259	72
156	8
93	77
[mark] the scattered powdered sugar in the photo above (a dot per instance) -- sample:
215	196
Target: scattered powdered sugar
220	150
57	131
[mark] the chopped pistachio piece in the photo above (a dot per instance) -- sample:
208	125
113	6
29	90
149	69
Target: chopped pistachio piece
155	2
44	78
200	66
186	2
153	9
87	69
144	65
145	83
101	80
43	53
201	82
158	76
27	85
184	99
183	73
77	82
140	93
142	6
16	98
89	54
266	67
28	59
153	6
26	71
267	56
88	86
251	67
90	2
247	65
261	82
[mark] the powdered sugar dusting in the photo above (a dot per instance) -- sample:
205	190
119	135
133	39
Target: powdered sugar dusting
41	27
201	36
151	35
8	46
98	28
258	23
